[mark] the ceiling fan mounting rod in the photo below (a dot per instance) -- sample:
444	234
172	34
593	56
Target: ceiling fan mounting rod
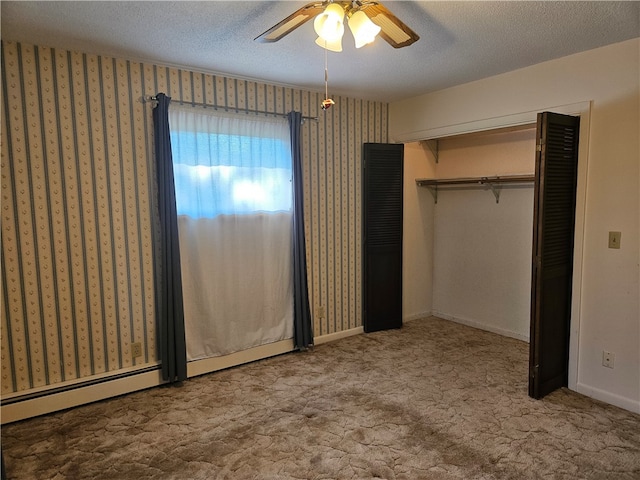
351	6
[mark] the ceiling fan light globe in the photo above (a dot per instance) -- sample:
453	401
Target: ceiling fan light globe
329	24
333	46
363	29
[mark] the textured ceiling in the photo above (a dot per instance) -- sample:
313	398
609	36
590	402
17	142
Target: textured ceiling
460	41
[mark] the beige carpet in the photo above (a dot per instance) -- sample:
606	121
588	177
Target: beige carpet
434	400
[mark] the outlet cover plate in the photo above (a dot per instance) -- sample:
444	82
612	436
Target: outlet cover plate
136	349
608	359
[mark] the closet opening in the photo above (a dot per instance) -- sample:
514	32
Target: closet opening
483	186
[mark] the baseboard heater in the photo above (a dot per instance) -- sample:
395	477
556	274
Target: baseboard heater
80	384
74	393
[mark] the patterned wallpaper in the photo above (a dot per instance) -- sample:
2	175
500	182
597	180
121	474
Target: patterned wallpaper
78	206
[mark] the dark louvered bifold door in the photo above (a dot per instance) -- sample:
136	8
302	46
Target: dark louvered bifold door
552	262
382	236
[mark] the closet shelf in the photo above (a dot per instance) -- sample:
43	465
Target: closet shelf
494	183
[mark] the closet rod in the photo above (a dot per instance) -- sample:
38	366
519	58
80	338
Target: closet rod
425	182
152	98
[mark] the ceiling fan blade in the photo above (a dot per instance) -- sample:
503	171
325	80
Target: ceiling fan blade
292	22
394	31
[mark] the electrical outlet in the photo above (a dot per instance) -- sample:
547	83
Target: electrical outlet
608	359
136	350
321	312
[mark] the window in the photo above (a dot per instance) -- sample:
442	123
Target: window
223	174
234	196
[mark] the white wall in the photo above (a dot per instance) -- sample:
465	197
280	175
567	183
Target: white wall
606	315
482	249
417	249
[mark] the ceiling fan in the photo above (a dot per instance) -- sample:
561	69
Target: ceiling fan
365	18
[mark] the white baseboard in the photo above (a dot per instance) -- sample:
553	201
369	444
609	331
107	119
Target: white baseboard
608	397
331	337
417	316
481	326
592	392
208	365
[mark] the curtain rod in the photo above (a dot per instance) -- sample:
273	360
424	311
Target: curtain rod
152	98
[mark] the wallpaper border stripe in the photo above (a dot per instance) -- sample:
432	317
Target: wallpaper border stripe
56	102
45	168
5	291
76	153
25	127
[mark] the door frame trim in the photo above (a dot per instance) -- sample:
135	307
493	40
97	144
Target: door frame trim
583	110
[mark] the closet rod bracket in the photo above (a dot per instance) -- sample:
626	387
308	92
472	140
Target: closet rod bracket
434	192
495	189
434	147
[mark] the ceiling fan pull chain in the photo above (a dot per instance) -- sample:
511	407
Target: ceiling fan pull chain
327	102
326	75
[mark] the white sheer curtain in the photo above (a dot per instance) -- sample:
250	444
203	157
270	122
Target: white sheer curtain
234	199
